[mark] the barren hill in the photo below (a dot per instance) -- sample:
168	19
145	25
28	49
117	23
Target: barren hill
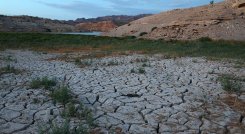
103	26
36	24
225	20
32	24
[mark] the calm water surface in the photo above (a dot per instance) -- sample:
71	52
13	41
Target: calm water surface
85	33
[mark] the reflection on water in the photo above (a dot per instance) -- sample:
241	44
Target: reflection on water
85	33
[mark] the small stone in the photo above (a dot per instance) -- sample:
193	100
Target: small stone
98	131
194	124
107	121
210	127
9	114
142	129
11	127
236	129
171	127
242	97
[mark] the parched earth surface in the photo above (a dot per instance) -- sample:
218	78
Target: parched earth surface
179	95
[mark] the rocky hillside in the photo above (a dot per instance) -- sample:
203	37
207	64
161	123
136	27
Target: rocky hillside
225	20
36	24
119	20
32	24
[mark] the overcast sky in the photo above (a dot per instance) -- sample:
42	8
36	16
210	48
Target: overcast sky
72	9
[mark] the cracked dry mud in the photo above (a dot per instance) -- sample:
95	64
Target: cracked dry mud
173	95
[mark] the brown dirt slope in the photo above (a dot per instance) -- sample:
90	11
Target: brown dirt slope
103	26
225	20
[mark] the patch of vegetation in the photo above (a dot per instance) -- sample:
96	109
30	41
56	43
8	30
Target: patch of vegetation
113	63
9	58
62	95
78	61
132	71
205	39
44	82
194	60
231	83
35	100
143	33
130	37
211	2
141	60
72	108
86	114
141	70
63	129
239	64
87	63
55	42
9	69
78	111
146	65
83	63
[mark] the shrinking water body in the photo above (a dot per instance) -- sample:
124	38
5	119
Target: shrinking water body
85	33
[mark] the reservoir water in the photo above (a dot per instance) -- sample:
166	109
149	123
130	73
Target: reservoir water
85	33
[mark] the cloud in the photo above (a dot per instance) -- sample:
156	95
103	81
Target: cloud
79	7
97	8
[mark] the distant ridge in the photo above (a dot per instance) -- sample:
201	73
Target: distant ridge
36	24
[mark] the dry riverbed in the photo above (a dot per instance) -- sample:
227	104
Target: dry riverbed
126	94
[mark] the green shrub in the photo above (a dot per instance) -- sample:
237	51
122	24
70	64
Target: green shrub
194	60
9	58
35	100
130	37
77	61
113	63
9	69
81	130
211	2
133	71
141	60
141	70
61	95
230	84
36	83
146	65
86	63
205	39
70	111
86	114
63	129
42	83
48	83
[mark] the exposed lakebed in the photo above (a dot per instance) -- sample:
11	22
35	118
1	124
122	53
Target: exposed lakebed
170	96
